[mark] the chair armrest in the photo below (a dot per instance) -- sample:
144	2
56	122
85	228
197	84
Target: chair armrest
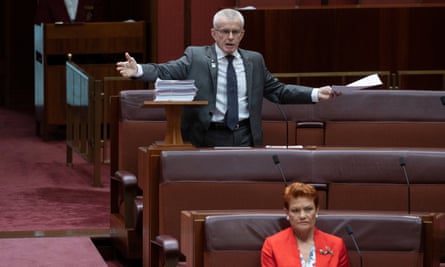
138	206
168	251
124	187
127	178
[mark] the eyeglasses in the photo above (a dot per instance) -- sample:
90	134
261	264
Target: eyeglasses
227	32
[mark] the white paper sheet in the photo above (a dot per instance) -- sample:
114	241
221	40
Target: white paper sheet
366	82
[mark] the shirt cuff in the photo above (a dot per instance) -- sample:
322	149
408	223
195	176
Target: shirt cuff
314	95
140	72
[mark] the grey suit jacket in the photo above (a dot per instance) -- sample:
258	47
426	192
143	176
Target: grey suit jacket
200	64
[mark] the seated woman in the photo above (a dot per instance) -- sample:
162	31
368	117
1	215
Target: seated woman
302	244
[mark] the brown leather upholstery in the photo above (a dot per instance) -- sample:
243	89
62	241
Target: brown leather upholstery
138	126
377	118
416	119
374	180
166	251
235	239
246	179
351	179
133	126
382	118
126	214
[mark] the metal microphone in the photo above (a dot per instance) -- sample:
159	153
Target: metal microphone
351	234
287	124
276	160
403	165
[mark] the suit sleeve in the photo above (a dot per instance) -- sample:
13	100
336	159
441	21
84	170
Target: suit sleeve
267	258
281	93
172	70
343	260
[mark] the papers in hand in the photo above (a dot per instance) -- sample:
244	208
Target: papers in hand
174	90
366	82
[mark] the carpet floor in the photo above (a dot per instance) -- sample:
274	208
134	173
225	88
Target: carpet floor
39	192
50	252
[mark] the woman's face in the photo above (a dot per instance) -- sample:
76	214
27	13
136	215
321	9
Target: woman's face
302	214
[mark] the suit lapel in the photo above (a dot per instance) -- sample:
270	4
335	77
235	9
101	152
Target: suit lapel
59	6
248	67
213	69
321	248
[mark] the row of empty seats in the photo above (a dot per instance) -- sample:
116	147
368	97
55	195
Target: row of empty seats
134	126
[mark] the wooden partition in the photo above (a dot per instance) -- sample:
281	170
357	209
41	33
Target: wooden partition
349	38
269	3
87	115
96	47
418	79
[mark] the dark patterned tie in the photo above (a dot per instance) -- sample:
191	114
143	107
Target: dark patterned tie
231	117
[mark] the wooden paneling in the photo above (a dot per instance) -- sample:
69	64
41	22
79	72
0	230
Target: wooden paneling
16	49
348	38
270	3
96	47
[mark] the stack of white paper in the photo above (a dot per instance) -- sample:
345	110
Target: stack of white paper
174	90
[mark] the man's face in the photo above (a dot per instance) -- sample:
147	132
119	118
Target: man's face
228	35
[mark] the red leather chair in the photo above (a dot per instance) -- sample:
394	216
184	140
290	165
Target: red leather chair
131	126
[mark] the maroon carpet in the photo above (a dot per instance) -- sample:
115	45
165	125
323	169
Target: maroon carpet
38	190
50	252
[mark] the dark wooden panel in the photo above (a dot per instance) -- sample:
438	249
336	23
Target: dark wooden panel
94	46
348	38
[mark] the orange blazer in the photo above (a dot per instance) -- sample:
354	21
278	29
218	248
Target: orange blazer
281	250
50	11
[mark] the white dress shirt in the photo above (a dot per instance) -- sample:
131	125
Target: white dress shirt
221	92
71	7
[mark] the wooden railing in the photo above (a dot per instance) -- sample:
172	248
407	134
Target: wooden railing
87	126
418	79
402	79
334	78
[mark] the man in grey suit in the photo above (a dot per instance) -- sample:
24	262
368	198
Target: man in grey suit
209	126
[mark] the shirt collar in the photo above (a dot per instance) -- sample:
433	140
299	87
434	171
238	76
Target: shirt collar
220	54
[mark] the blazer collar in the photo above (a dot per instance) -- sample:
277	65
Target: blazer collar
248	67
213	70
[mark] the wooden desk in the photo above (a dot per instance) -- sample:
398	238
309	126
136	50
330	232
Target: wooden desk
149	172
173	111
